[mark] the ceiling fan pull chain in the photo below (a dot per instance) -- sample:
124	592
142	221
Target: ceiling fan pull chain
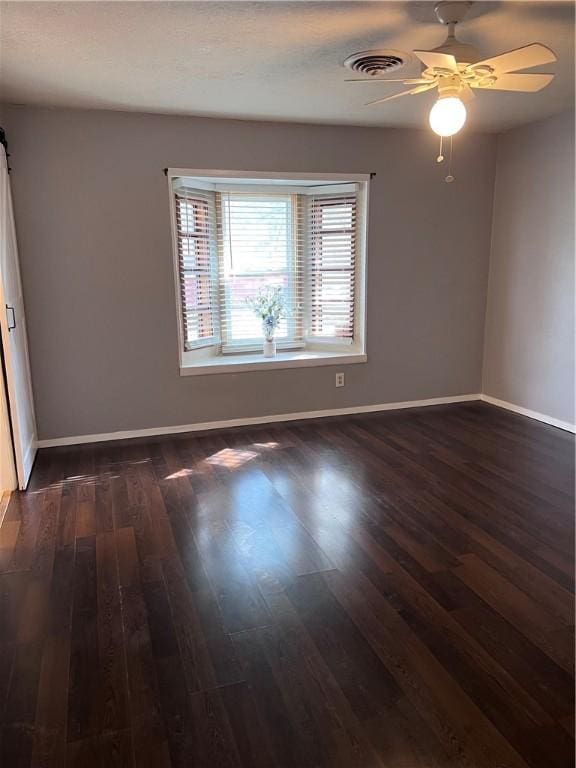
449	178
440	157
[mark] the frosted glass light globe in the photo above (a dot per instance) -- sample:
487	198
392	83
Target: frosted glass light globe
447	116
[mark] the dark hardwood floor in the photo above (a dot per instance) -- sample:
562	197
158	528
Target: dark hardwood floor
388	591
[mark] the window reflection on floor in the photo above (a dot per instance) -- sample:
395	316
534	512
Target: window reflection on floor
228	458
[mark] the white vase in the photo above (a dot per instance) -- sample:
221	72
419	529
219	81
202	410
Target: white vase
269	348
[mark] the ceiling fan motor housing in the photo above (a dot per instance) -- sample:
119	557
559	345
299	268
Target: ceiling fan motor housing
449	87
462	52
448	12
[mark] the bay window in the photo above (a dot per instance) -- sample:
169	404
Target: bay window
238	234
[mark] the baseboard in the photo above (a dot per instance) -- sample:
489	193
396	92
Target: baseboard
531	414
251	421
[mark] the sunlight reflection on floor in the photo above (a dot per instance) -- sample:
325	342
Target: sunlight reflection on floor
228	458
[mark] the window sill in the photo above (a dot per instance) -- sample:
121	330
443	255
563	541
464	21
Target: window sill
257	362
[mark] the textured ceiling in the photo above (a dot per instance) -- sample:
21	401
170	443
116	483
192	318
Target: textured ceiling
266	60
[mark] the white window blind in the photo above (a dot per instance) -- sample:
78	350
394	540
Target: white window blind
196	240
259	246
332	267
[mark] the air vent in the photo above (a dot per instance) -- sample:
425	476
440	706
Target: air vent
374	63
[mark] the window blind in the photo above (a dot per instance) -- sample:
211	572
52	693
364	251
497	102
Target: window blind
196	239
332	267
259	245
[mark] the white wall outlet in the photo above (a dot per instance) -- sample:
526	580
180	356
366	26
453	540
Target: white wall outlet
339	379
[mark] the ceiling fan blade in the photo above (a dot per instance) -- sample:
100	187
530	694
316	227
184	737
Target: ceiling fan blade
521	58
518	82
388	98
435	59
427	87
409	81
413	92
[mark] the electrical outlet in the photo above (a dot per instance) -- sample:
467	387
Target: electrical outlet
339	379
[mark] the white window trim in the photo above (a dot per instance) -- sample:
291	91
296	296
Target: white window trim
233	177
210	360
256	362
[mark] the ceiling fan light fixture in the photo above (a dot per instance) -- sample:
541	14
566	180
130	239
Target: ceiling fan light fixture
456	70
447	116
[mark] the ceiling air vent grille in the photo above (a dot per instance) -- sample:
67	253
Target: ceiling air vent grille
378	62
374	63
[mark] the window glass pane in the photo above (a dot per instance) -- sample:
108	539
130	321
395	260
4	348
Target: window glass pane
195	253
258	252
197	291
257	234
333	228
337	217
195	229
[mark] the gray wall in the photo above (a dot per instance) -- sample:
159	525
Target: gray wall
91	207
529	352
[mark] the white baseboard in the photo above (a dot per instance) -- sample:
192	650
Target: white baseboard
531	414
250	421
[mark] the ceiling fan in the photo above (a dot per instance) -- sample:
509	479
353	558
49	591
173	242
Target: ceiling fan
455	69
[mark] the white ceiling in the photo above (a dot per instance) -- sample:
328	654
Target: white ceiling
263	60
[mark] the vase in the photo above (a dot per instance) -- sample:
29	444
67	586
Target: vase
269	348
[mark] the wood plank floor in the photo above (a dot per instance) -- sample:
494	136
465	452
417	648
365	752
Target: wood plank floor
390	591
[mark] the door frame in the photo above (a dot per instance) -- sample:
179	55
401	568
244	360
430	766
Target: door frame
8	477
